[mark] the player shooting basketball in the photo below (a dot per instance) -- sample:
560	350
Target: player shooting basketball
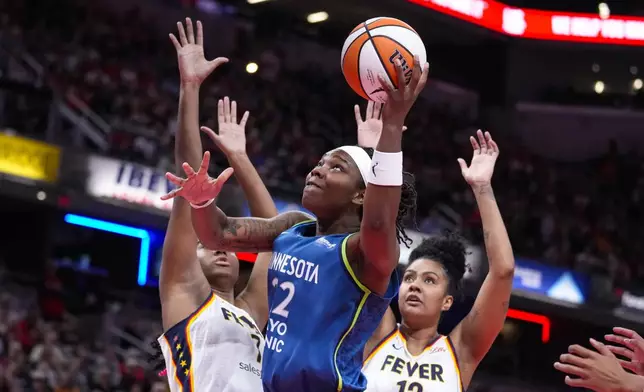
331	280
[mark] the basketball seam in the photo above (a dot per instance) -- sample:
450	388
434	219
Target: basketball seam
382	62
358	66
395	25
398	43
350	45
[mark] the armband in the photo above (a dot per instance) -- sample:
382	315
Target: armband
386	169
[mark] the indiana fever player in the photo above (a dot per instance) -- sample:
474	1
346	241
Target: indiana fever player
330	280
212	340
413	356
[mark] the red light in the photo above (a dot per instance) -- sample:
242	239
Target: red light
249	257
535	319
63	201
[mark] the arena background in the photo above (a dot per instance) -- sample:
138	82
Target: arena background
88	92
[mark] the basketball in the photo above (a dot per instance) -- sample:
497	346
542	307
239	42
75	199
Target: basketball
371	49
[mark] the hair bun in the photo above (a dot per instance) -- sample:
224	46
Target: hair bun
448	249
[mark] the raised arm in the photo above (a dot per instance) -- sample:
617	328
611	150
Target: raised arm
182	285
232	141
370	128
474	336
378	240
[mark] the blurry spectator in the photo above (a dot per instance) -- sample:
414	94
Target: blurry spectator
48	350
132	370
51	301
27	329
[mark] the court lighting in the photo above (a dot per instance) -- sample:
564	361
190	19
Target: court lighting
251	67
317	17
599	87
604	10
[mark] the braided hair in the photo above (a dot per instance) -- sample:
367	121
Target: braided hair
407	206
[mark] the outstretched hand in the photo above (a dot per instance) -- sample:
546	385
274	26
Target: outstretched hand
594	370
232	136
631	347
370	128
198	187
485	152
193	66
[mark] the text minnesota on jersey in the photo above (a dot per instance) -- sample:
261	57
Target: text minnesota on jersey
295	268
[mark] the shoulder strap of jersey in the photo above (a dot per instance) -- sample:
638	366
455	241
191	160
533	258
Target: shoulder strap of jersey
300	226
382	343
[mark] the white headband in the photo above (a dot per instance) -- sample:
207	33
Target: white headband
360	158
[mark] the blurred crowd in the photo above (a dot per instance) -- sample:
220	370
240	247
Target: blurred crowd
44	347
576	215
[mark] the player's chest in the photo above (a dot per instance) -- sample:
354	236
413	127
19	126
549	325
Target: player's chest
305	261
395	366
228	324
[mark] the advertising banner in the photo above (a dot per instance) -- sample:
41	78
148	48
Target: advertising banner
127	181
542	25
633	301
552	282
28	158
632	297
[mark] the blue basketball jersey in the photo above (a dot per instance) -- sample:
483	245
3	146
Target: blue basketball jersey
320	316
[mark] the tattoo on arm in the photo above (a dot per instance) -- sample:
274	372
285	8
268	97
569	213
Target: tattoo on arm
255	234
487	191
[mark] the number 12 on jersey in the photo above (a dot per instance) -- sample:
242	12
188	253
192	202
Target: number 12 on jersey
289	287
277	328
409	387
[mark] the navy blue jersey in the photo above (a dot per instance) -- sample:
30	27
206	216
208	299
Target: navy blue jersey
320	317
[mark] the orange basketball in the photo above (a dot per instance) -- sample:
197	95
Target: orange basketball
371	49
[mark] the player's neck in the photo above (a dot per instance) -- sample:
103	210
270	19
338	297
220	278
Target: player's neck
418	338
228	296
349	223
